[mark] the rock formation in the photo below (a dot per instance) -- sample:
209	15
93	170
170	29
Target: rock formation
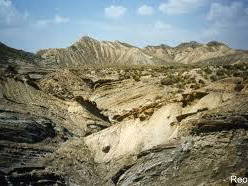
90	51
118	124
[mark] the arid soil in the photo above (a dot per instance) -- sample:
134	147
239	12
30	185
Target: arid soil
117	124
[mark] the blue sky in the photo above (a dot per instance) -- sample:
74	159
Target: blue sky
35	24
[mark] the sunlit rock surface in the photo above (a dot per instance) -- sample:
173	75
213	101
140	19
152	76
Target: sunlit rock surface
169	124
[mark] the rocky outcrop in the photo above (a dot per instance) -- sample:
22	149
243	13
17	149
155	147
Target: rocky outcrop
19	128
24	140
123	125
208	159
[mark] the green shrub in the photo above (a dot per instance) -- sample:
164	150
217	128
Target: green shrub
213	78
220	72
208	70
167	81
136	77
237	74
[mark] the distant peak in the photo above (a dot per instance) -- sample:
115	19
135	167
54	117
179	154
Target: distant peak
158	46
124	44
188	44
86	38
216	43
2	44
165	46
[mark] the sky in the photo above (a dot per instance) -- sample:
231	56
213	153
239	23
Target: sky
37	24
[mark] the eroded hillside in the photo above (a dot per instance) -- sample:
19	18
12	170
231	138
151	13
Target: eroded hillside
124	125
90	51
10	55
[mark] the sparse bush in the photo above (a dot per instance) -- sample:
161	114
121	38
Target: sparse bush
245	75
237	74
201	81
220	72
194	86
239	66
74	48
180	85
213	78
136	77
167	81
127	75
228	67
239	87
11	69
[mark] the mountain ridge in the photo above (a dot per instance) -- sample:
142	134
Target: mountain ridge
88	50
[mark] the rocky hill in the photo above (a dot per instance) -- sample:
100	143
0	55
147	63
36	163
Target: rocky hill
10	55
191	52
172	124
90	51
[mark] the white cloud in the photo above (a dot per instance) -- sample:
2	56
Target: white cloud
6	3
42	23
159	25
219	12
232	15
173	7
115	11
227	22
10	16
60	19
145	10
56	20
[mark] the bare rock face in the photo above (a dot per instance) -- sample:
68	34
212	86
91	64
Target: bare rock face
24	140
124	125
19	128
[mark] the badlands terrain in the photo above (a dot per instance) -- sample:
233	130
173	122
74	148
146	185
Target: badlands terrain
108	113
